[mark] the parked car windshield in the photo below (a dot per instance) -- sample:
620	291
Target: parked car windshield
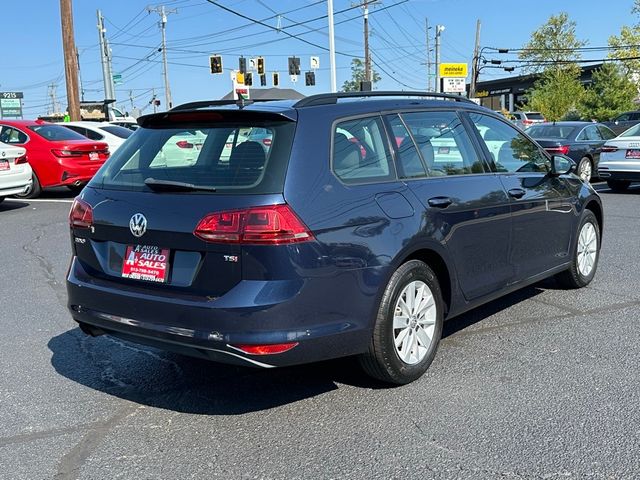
223	157
632	132
117	131
534	116
550	131
56	132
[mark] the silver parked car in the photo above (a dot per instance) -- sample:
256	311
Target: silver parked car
526	119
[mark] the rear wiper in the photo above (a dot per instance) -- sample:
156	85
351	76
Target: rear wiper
172	186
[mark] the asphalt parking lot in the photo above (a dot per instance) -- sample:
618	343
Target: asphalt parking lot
541	384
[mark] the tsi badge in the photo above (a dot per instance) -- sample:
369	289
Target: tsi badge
231	258
138	225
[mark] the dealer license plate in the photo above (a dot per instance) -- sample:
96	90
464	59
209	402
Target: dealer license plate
145	262
632	154
94	156
4	164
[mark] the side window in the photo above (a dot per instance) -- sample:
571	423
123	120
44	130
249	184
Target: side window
81	130
606	133
360	151
623	117
511	151
634	116
582	136
443	143
11	135
408	159
592	133
90	134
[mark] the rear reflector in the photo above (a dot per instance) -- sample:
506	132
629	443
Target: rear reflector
266	349
81	214
270	225
266	142
609	149
562	149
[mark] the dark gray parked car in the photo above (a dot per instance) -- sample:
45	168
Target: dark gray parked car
582	141
623	121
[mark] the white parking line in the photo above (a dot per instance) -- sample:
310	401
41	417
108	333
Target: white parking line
41	200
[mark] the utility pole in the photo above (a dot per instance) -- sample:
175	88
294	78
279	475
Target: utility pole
439	30
163	12
80	76
476	62
426	29
54	100
105	56
153	100
367	53
332	47
70	59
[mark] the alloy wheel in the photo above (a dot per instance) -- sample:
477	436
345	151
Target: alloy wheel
414	322
587	249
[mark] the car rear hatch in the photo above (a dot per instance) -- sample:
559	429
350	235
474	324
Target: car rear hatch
157	218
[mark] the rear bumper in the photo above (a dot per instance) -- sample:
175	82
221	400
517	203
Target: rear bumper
15	183
208	328
606	174
69	172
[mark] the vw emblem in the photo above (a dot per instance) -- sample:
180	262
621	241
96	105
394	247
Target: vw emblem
138	225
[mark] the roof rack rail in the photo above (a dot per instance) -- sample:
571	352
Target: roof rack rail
331	98
217	103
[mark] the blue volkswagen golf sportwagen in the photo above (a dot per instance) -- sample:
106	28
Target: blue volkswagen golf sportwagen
354	224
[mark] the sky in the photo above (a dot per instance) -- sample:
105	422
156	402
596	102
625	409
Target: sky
32	57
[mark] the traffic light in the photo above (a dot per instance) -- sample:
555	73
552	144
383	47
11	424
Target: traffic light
215	62
263	80
294	66
276	79
242	65
260	66
309	79
248	79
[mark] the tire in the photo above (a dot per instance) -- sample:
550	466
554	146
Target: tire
407	362
2	199
585	169
618	185
35	189
578	276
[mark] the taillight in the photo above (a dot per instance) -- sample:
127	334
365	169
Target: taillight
81	214
266	142
562	149
270	225
609	149
67	153
266	349
527	122
184	144
19	160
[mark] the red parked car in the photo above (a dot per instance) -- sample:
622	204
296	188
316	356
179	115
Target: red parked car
58	156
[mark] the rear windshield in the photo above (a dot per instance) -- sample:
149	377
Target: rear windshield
534	116
550	131
56	132
632	132
117	131
227	157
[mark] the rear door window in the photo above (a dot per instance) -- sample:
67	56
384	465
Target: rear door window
606	133
12	135
408	160
361	151
443	143
220	157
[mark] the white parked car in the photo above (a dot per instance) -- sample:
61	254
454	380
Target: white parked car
112	135
620	160
15	172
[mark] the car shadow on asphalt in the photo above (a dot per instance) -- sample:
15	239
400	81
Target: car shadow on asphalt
189	385
12	204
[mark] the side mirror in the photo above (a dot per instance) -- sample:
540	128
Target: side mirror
617	122
562	165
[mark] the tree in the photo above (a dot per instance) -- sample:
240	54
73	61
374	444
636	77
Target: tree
552	51
611	92
357	76
553	45
629	38
555	94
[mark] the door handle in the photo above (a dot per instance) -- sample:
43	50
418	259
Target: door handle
517	192
439	202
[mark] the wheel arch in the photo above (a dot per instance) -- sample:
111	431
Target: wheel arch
596	208
439	266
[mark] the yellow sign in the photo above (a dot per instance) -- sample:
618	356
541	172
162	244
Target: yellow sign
453	70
